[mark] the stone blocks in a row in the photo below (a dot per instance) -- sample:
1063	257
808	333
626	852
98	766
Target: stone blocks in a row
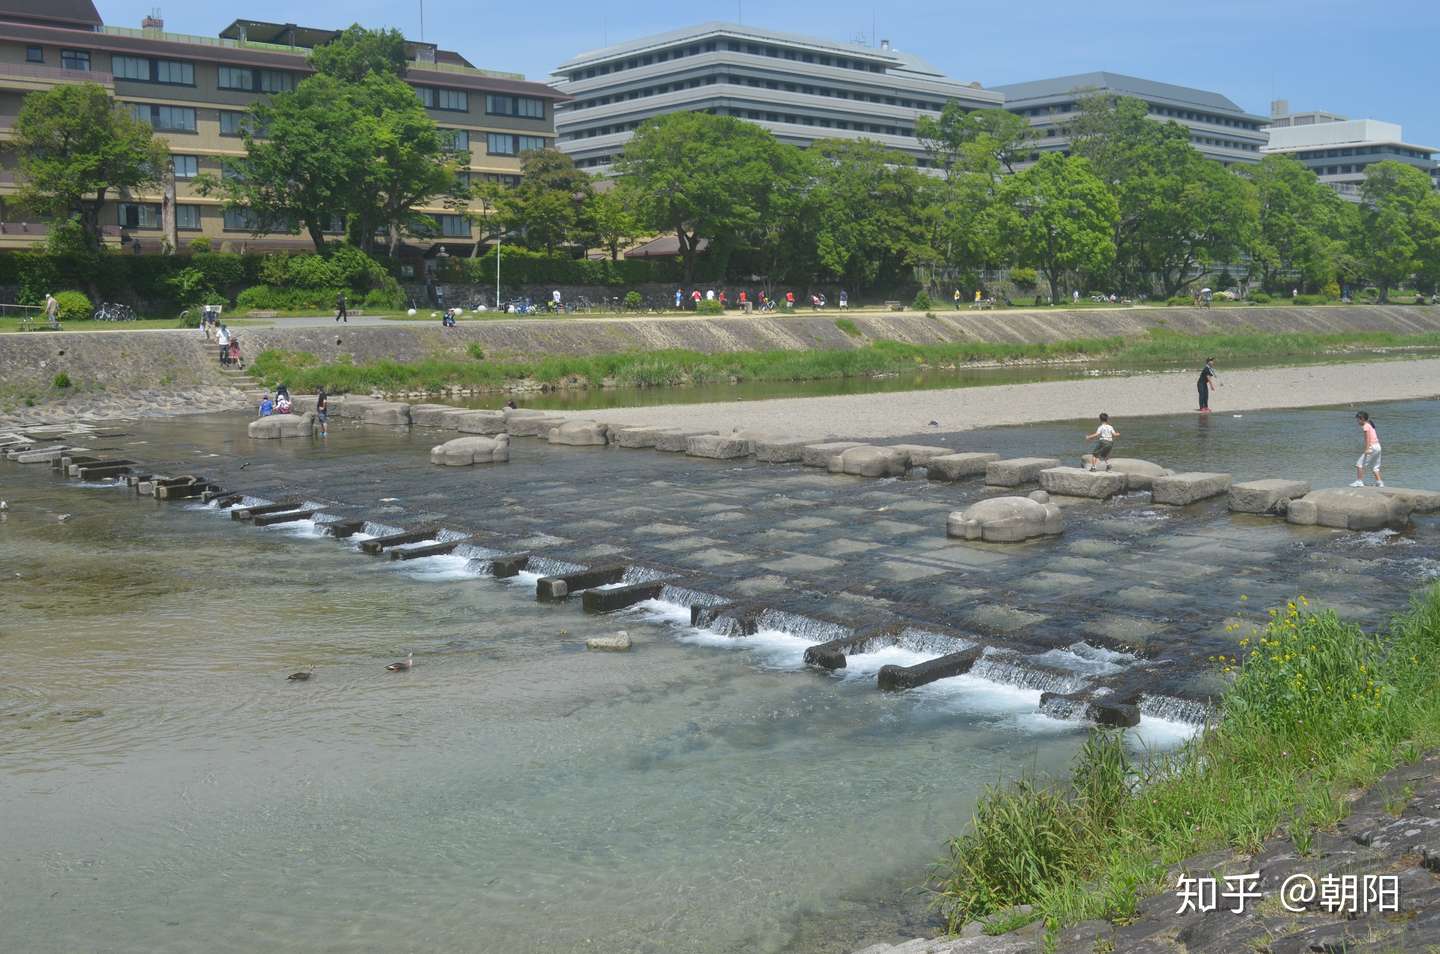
958	466
1266	496
1017	470
1079	482
1178	490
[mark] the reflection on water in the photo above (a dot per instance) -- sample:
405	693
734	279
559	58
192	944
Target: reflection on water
164	783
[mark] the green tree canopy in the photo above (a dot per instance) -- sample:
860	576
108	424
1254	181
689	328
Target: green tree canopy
1395	209
986	141
548	206
609	216
1301	224
357	53
75	148
1060	218
865	196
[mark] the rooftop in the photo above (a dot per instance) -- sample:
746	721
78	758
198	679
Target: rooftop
1117	83
1348	132
81	13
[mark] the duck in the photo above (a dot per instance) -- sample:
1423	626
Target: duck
403	665
301	676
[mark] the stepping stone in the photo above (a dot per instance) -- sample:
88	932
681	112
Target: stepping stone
391	413
676	441
864	460
819	455
802	563
487	423
1266	496
424	415
1349	508
780	450
637	436
1419	501
465	451
956	466
1139	474
529	425
580	434
1177	490
1017	470
717	447
1078	482
922	454
1005	520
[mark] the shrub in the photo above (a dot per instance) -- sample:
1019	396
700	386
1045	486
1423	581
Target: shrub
74	306
388	297
1370	295
1181	300
708	307
1260	298
475	351
633	301
847	326
190	286
270	298
922	301
200	245
1308	300
1025	277
1331	289
62	381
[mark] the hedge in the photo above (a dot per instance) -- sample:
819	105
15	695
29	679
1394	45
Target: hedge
74	306
270	298
524	267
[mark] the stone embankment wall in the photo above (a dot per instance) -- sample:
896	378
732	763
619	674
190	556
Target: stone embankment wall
148	359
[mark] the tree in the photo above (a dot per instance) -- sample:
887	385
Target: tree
548	204
75	147
1394	209
357	53
317	149
699	176
609	215
1061	218
866	196
975	141
1302	224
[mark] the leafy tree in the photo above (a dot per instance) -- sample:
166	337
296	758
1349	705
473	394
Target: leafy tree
1061	218
1427	242
699	176
609	215
549	203
357	53
75	148
1302	224
1395	208
982	140
866	196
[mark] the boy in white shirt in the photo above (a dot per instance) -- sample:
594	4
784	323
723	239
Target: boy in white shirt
1104	438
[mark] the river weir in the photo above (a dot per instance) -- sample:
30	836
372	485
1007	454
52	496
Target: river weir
771	756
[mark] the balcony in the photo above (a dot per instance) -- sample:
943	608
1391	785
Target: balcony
29	78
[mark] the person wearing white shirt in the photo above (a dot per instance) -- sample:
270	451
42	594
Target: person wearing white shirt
1104	438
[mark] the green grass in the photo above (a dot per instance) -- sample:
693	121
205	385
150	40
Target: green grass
660	368
1316	707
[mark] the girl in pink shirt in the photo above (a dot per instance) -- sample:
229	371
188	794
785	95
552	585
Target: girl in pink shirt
1370	456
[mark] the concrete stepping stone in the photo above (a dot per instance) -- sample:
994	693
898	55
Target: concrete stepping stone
922	454
1005	520
1017	470
819	455
676	440
717	446
465	451
530	425
282	425
1178	490
637	436
956	466
1079	482
580	434
488	423
1419	501
428	415
780	450
1349	508
1266	496
865	460
391	413
1139	474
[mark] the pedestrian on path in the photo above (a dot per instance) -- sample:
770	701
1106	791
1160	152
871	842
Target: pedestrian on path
1104	438
1207	381
1370	456
52	308
222	337
341	313
957	299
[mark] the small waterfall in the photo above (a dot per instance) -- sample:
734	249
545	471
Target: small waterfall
805	627
472	552
680	596
324	518
546	566
1067	708
1173	709
707	617
924	641
450	536
1013	670
374	529
249	501
642	574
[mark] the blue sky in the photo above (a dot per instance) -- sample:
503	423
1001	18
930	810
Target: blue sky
1357	58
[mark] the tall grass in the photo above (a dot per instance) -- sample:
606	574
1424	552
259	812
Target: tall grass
1316	706
671	367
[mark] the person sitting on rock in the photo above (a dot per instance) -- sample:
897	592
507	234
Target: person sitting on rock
283	405
267	407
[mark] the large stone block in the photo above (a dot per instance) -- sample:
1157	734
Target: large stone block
819	455
429	415
675	440
513	412
282	425
866	460
1005	520
301	403
1079	482
922	454
1017	470
531	425
717	446
636	436
1419	501
1266	496
1348	508
1139	474
580	434
956	466
488	423
772	449
387	412
352	405
464	451
1177	490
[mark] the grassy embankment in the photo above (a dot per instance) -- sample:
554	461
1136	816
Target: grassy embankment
1316	708
658	368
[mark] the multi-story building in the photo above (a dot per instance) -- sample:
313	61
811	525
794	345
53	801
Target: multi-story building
1338	150
194	91
1219	129
798	87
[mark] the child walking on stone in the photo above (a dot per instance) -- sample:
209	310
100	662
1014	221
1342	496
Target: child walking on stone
1104	438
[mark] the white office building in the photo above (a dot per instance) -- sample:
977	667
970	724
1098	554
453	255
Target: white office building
798	87
1338	150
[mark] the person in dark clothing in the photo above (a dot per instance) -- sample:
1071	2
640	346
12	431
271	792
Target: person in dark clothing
511	405
322	409
281	391
1207	381
341	314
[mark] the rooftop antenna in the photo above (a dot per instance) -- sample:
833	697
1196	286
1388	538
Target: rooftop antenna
422	21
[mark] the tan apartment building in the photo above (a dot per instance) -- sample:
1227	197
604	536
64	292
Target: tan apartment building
194	91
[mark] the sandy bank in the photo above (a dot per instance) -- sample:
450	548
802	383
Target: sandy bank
908	412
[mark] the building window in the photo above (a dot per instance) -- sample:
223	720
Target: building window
527	107
532	143
137	215
232	123
34	54
187	217
175	72
233	77
130	68
239	220
453	226
75	60
276	81
500	144
186	167
165	118
456	140
452	100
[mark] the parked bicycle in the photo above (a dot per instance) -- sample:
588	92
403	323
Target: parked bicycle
114	311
